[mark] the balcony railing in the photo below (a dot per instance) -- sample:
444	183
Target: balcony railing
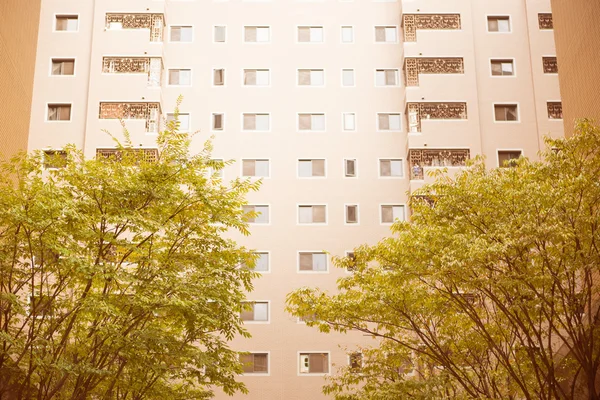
555	110
152	66
412	22
420	158
154	22
440	111
545	21
550	65
146	111
441	65
147	155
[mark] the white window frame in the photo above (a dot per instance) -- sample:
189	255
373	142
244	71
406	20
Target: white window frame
388	113
298	270
212	114
255	26
254	159
510	24
190	25
514	66
256	86
310	86
268	321
189	129
65	58
214	31
344	121
355	168
311	130
256	113
506	103
391	204
357	214
268	271
257	374
353	76
402	160
506	149
66	14
298	205
212	77
297	34
268	205
314	352
342	34
398	84
311	159
386	26
58	103
180	69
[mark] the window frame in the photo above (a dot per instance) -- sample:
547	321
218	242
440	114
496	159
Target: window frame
386	26
311	159
189	129
68	58
268	271
357	214
312	271
298	205
242	159
215	26
297	34
355	168
300	353
353	77
380	206
212	115
378	113
498	150
311	130
514	67
253	374
506	103
255	130
254	322
310	86
268	205
46	111
342	34
384	69
168	72
255	26
402	161
55	15
243	80
180	26
507	16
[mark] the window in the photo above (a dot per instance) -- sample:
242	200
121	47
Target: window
257	34
261	210
386	77
59	112
311	77
390	213
355	361
314	363
350	168
311	122
67	23
40	306
388	122
220	34
352	214
63	66
386	34
255	311
347	34
312	214
184	121
498	24
215	168
312	261
261	263
347	77
351	261
219	77
502	67
256	77
181	34
255	363
218	120
258	168
311	168
391	168
506	112
180	77
55	159
506	158
310	34
256	122
349	121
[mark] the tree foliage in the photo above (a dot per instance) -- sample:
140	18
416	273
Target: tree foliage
116	280
490	292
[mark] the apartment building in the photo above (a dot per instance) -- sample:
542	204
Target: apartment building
341	107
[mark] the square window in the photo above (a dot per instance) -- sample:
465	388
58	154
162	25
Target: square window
506	112
313	214
181	34
63	66
502	67
67	23
498	24
311	168
350	168
391	213
220	34
314	363
507	158
255	311
386	77
261	263
180	77
347	34
391	168
347	77
59	112
257	168
352	214
255	363
261	210
312	261
184	121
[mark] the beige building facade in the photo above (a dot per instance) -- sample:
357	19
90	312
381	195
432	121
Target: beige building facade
340	106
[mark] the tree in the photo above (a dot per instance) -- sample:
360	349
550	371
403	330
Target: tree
490	292
116	280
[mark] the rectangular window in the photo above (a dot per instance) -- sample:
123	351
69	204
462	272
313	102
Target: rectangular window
310	34
506	158
386	77
180	77
255	363
181	34
314	363
257	34
218	77
388	122
55	159
506	112
218	120
351	261
312	261
355	361
67	23
347	34
184	121
256	77
59	112
502	67
349	121
261	210
257	168
350	168
347	77
40	306
257	311
220	34
311	77
352	214
311	122
262	262
392	168
386	34
311	168
312	214
391	213
256	122
215	168
63	66
498	24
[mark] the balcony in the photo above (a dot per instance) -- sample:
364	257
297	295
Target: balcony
152	66
150	112
413	22
414	66
436	111
419	159
154	22
554	110
147	155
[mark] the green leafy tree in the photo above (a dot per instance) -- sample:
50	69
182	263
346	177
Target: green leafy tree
490	292
116	280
